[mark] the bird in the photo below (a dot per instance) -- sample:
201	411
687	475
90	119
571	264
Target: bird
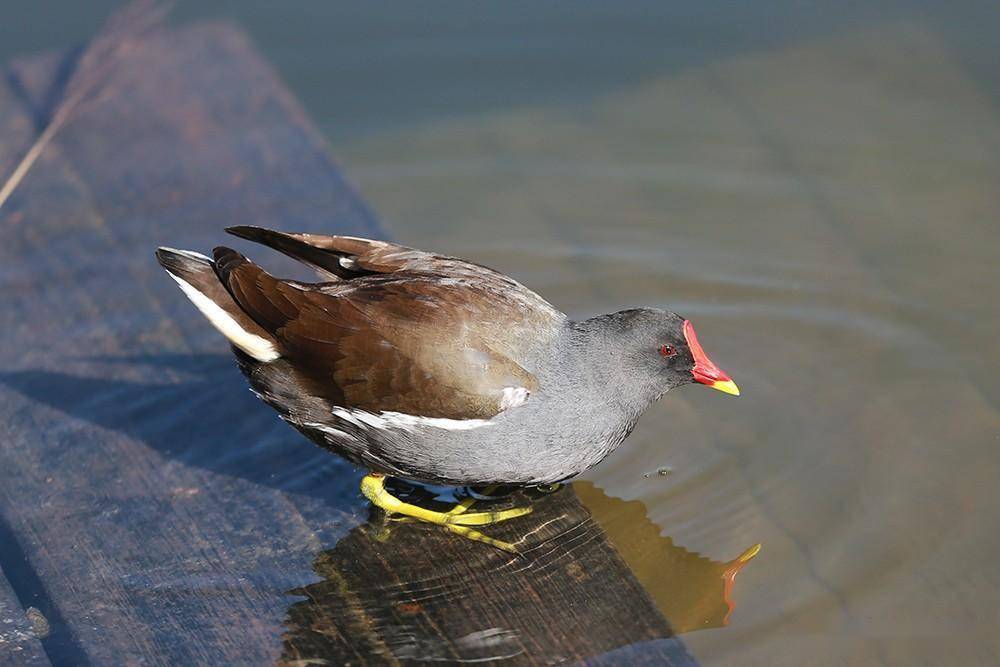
436	370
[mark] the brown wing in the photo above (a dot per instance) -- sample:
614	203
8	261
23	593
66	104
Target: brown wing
397	332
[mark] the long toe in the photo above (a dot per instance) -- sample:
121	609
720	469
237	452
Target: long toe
479	537
486	518
456	520
464	506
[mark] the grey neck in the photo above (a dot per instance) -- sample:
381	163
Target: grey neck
600	362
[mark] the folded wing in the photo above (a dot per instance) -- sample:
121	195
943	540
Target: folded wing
395	329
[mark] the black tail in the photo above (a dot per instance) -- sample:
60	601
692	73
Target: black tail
191	267
200	280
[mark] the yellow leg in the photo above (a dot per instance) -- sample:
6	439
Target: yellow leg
459	508
456	520
463	507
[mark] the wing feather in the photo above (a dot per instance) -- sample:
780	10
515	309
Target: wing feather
403	331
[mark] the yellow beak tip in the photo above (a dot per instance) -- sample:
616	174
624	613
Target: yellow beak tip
726	386
747	555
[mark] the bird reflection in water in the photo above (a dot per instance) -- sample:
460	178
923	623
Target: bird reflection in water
593	575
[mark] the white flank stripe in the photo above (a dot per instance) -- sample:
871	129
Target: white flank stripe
406	422
259	348
513	397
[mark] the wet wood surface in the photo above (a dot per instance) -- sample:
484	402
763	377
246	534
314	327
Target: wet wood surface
155	511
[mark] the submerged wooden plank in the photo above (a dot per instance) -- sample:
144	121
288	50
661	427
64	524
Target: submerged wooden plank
165	514
568	597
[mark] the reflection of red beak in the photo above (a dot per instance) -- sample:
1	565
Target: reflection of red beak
733	568
704	370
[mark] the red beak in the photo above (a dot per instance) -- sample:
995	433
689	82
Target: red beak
704	370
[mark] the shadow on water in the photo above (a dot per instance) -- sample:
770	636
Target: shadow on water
594	578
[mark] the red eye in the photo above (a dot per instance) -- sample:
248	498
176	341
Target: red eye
667	350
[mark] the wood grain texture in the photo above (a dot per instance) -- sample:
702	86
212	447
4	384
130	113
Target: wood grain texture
163	514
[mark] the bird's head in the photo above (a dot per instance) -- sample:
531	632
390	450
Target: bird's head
658	349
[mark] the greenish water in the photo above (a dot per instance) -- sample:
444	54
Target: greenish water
815	187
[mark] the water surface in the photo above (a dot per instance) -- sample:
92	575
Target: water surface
825	211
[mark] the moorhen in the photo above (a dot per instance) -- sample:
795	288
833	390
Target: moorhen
435	369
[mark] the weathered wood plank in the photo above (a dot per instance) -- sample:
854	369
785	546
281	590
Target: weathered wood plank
146	546
163	511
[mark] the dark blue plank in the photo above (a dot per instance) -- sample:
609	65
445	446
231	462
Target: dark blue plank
162	511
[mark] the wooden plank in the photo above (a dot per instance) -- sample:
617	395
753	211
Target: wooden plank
146	546
164	512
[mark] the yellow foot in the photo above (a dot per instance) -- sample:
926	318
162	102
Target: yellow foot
456	520
459	508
